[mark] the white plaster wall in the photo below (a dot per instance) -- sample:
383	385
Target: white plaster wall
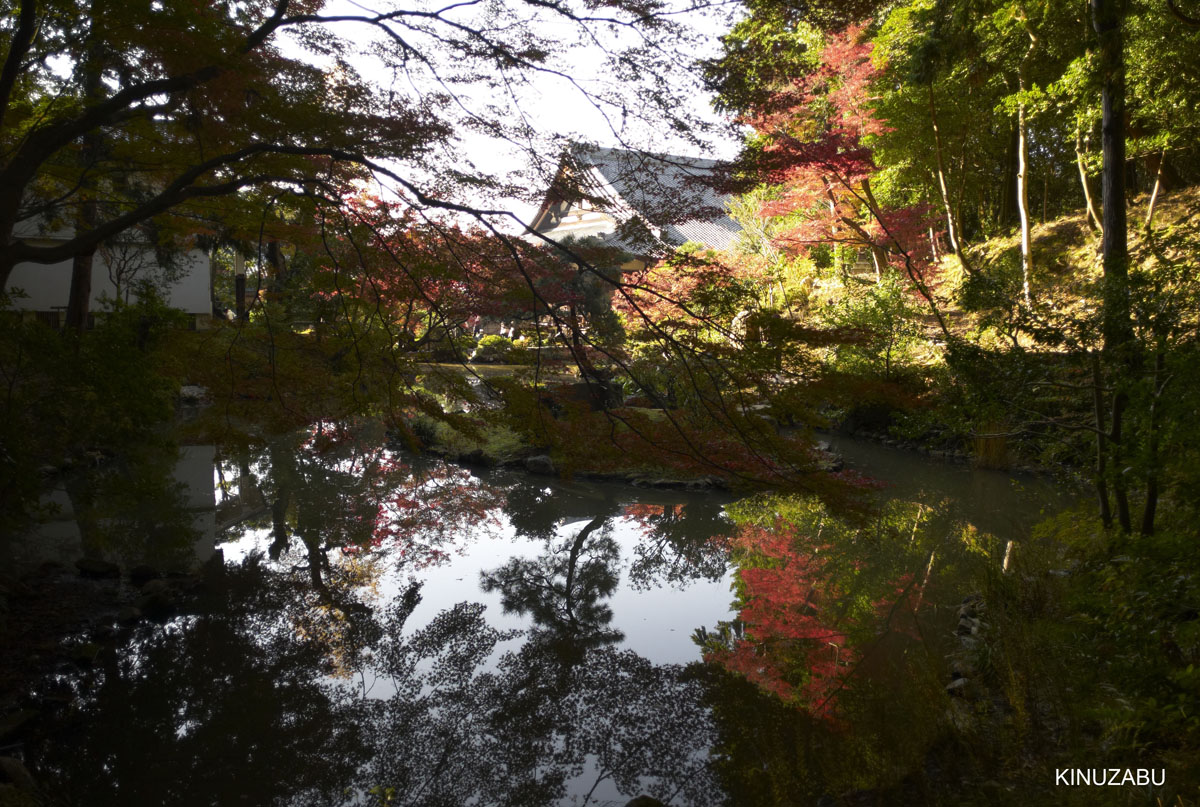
47	286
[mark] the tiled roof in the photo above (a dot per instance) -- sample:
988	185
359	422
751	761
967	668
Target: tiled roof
672	195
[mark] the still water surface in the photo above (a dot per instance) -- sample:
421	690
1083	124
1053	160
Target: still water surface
379	629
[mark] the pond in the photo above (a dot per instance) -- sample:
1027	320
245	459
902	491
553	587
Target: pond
368	627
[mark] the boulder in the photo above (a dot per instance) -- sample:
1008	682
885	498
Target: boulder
968	626
193	394
540	464
963	687
958	687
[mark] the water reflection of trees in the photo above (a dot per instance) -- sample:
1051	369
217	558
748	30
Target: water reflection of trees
233	707
301	684
296	684
563	589
519	733
832	678
133	508
681	542
682	536
340	507
223	708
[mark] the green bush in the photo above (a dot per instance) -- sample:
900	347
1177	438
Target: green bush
495	349
885	327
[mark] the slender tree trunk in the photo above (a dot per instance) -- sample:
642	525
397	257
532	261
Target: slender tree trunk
833	228
80	296
1120	481
1093	219
877	260
1023	166
1008	203
278	266
878	254
943	186
1023	206
962	179
239	286
1107	18
1119	346
1162	158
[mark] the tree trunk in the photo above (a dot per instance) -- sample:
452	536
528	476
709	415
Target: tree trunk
878	254
1158	174
1119	347
1023	206
278	266
80	296
239	286
1093	220
1023	166
81	288
1008	204
1045	194
1120	481
943	186
1118	329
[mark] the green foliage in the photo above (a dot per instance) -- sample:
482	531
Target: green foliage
64	395
762	53
883	320
496	349
1122	633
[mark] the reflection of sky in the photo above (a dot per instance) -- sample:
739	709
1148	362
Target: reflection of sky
657	623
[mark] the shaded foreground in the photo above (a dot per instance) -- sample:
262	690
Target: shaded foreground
381	631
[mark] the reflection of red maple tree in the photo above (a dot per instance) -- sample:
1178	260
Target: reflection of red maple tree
371	499
802	636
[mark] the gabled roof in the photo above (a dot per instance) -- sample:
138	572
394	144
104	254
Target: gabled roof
655	202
